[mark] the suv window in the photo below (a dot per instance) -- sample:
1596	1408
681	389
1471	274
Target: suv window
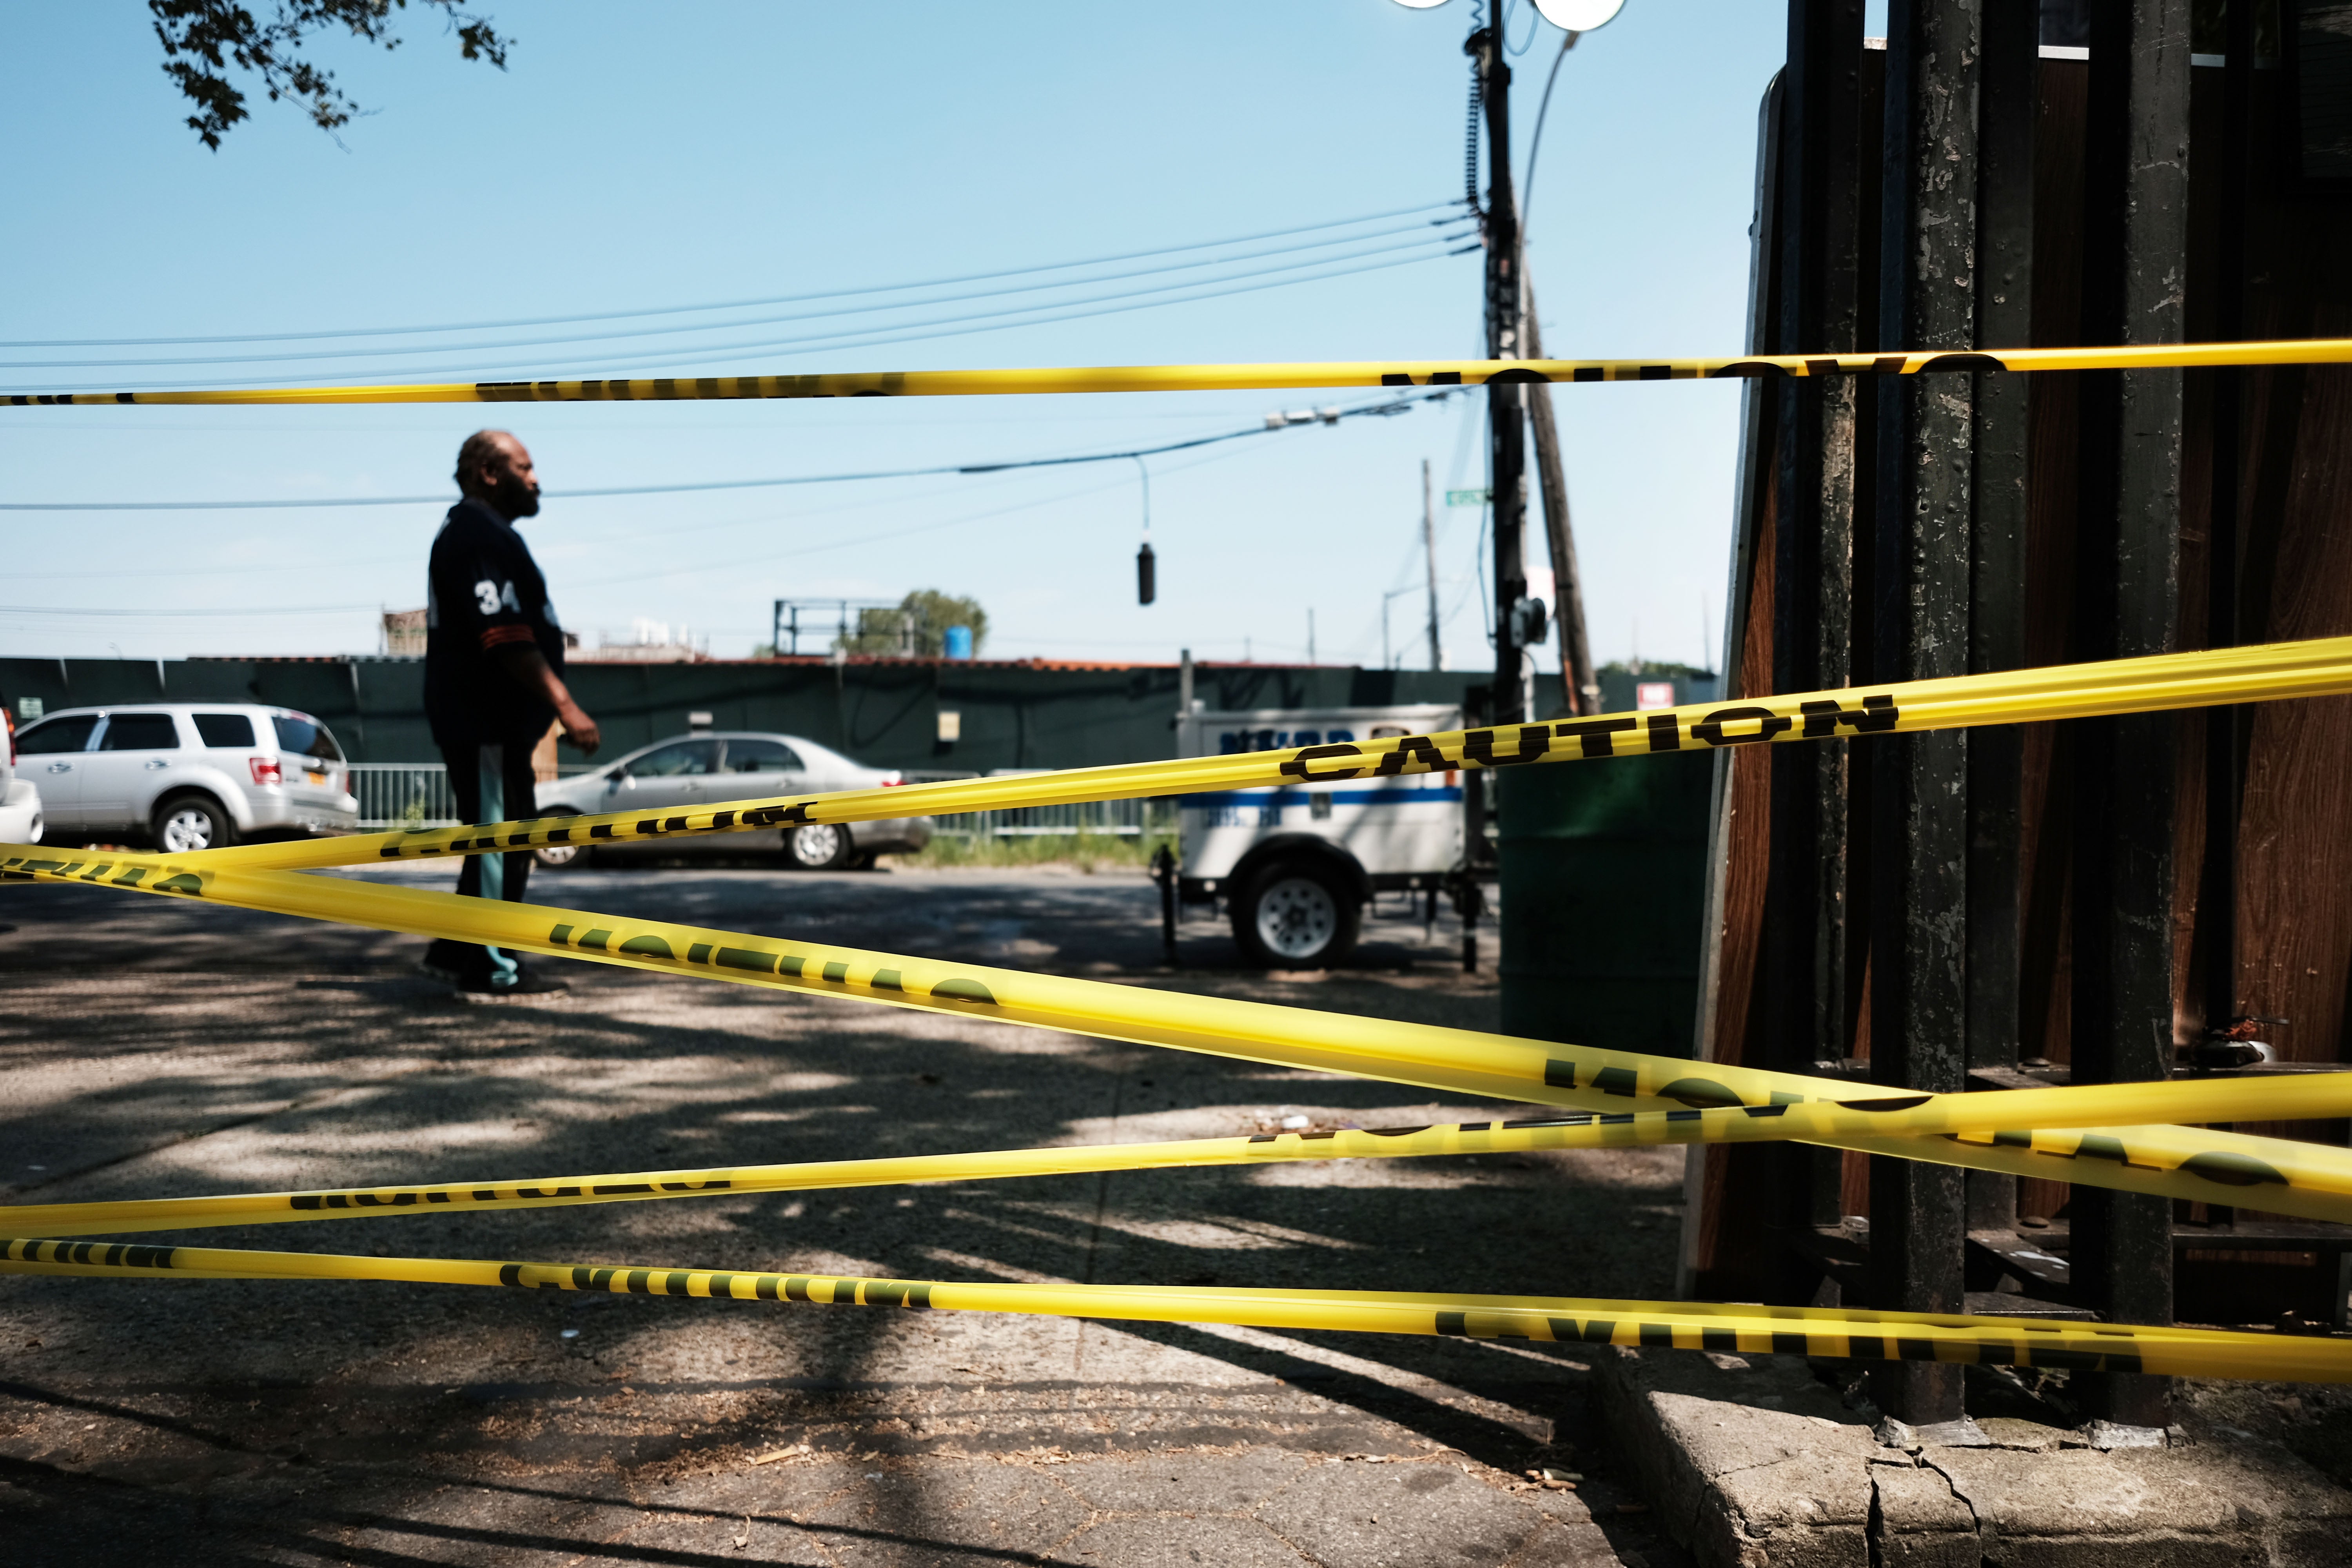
51	735
305	736
225	730
683	759
140	733
763	757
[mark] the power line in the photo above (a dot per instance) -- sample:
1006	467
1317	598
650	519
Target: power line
1419	240
721	305
866	338
1387	406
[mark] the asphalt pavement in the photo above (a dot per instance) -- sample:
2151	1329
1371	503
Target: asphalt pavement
156	1048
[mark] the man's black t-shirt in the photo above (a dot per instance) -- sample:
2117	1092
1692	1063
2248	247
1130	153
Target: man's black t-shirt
484	591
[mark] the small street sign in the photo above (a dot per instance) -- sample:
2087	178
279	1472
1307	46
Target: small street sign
1468	498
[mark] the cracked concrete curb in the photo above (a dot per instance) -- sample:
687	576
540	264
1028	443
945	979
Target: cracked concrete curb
1757	1465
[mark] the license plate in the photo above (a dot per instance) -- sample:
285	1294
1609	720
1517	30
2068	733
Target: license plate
315	778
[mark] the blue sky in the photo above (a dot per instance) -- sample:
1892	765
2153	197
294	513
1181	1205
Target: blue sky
637	157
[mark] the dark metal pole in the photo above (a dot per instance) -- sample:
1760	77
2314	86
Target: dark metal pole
1505	401
2217	898
2136	178
1919	905
2012	85
1819	241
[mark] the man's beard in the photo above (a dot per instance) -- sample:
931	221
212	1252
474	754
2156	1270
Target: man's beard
515	498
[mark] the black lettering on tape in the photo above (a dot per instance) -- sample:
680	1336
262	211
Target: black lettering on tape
1595	733
1559	1074
1300	766
1768	724
1786	1343
747	958
1822	718
2234	1169
1478	746
1657	1336
698	953
964	991
1665	732
560	936
648	947
887	980
1618	1081
596	940
837	972
1371	1132
1749	369
1963	361
184	882
1892	1102
790	964
510	1274
1718	1340
1456	1324
1418	748
1699	1091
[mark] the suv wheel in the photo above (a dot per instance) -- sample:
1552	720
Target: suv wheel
187	823
820	846
1296	914
562	857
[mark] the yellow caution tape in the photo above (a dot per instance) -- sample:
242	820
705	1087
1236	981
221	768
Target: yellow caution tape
1712	1100
2227	1165
1832	1332
1244	377
2268	672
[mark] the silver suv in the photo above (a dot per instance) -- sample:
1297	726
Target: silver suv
186	776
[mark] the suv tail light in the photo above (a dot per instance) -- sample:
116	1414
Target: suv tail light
10	720
265	770
893	779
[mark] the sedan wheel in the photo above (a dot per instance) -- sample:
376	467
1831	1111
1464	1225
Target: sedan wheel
562	856
820	846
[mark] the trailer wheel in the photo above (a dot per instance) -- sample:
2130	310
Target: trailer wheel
1296	914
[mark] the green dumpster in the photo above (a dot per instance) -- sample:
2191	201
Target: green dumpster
1604	873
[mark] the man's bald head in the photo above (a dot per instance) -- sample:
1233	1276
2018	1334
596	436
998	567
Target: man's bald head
496	469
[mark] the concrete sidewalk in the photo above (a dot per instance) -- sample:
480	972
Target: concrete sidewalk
155	1047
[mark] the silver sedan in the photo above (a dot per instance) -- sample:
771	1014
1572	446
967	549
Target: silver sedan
687	773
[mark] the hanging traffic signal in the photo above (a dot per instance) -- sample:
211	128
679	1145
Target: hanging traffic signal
1146	588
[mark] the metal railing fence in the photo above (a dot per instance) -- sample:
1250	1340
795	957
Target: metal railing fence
1109	819
395	795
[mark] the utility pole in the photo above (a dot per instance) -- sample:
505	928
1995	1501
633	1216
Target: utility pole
1505	400
1568	585
1429	553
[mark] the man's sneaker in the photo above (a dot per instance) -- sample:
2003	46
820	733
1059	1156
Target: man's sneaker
479	982
526	984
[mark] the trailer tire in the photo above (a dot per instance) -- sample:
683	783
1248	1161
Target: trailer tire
1296	912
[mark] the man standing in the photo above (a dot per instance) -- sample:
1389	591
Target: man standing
493	681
